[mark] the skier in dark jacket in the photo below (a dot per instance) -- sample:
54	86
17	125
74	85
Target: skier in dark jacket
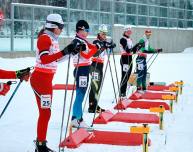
96	69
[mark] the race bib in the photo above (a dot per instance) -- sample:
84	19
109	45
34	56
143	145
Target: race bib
140	66
95	76
82	81
125	67
46	101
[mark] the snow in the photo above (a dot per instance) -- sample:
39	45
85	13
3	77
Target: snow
18	124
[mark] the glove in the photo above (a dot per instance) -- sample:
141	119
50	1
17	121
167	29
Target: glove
73	49
138	46
4	88
159	50
23	74
110	45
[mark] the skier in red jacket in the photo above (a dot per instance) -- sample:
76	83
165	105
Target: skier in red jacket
20	74
47	55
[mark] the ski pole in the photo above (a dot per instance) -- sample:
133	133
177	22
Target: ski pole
64	105
72	95
10	99
113	82
115	68
99	94
147	63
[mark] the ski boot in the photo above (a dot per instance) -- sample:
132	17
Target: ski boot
42	147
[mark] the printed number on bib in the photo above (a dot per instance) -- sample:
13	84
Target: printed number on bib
95	76
140	66
46	101
125	67
82	81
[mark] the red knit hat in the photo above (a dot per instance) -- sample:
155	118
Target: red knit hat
148	32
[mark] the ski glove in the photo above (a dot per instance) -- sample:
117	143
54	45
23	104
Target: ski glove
23	74
4	88
159	50
110	45
138	46
73	48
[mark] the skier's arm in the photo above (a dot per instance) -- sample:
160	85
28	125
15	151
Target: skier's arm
92	50
44	44
7	74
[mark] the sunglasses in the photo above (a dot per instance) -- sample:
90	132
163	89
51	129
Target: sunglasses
87	30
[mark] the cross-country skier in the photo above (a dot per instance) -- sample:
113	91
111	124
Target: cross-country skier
127	50
19	74
96	69
141	60
47	55
82	62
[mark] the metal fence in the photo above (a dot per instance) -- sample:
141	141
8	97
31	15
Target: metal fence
27	19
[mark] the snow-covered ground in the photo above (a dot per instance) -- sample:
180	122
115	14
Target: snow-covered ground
18	125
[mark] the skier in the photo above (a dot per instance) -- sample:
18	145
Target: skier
141	60
96	69
19	74
82	62
47	55
127	50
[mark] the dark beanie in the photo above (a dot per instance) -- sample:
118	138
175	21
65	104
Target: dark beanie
81	25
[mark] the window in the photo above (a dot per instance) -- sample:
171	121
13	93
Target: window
131	20
181	14
162	22
119	19
164	2
172	13
105	18
142	1
154	11
190	24
142	20
131	0
92	4
172	23
119	7
163	12
180	23
182	4
153	21
77	4
154	2
105	6
92	17
131	8
76	15
189	5
142	10
190	14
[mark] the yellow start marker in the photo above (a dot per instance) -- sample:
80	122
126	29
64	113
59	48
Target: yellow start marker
170	97
174	89
161	111
142	130
180	84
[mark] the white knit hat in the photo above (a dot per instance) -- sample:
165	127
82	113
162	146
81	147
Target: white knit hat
54	21
103	28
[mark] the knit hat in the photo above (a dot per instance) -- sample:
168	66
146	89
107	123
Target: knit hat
82	25
54	21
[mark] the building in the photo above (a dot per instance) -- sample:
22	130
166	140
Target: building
157	13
